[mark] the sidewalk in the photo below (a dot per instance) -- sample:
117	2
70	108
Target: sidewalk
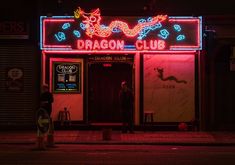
140	137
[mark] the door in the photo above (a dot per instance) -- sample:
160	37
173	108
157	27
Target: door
104	86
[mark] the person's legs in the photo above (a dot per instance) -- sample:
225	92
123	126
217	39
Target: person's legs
130	122
124	121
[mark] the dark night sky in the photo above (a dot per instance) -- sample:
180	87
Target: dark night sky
142	7
119	7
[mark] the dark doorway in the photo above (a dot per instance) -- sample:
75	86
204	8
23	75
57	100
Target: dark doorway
104	86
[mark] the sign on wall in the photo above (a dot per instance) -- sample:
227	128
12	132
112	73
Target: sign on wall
169	87
89	31
112	58
66	77
14	30
14	79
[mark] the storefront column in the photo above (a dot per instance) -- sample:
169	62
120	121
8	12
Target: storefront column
201	90
137	88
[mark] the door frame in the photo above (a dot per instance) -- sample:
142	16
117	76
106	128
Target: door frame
130	60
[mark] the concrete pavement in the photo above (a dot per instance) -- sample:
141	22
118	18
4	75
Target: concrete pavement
139	137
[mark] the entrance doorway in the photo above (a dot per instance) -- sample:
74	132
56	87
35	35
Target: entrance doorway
104	85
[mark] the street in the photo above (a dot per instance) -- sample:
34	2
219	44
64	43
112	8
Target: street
63	154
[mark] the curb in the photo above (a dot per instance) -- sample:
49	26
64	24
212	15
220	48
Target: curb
127	143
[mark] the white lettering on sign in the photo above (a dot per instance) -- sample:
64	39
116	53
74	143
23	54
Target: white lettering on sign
66	69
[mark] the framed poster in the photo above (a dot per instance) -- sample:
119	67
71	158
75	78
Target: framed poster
14	79
66	77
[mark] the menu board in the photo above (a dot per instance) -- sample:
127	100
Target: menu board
66	77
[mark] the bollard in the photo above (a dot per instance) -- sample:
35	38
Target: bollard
107	134
183	126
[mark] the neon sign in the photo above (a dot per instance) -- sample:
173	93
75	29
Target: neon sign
119	45
100	45
66	69
66	77
89	31
150	45
94	28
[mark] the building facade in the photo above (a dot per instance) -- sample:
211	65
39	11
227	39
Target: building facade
85	58
204	88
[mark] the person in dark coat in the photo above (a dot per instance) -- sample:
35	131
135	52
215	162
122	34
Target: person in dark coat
46	100
126	104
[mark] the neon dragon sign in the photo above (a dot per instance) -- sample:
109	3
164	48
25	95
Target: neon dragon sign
88	31
93	26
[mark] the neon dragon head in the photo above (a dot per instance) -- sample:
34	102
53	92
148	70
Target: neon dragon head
93	16
89	19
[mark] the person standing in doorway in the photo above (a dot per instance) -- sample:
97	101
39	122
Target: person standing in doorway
126	104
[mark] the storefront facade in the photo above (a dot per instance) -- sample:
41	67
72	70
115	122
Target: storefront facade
85	57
